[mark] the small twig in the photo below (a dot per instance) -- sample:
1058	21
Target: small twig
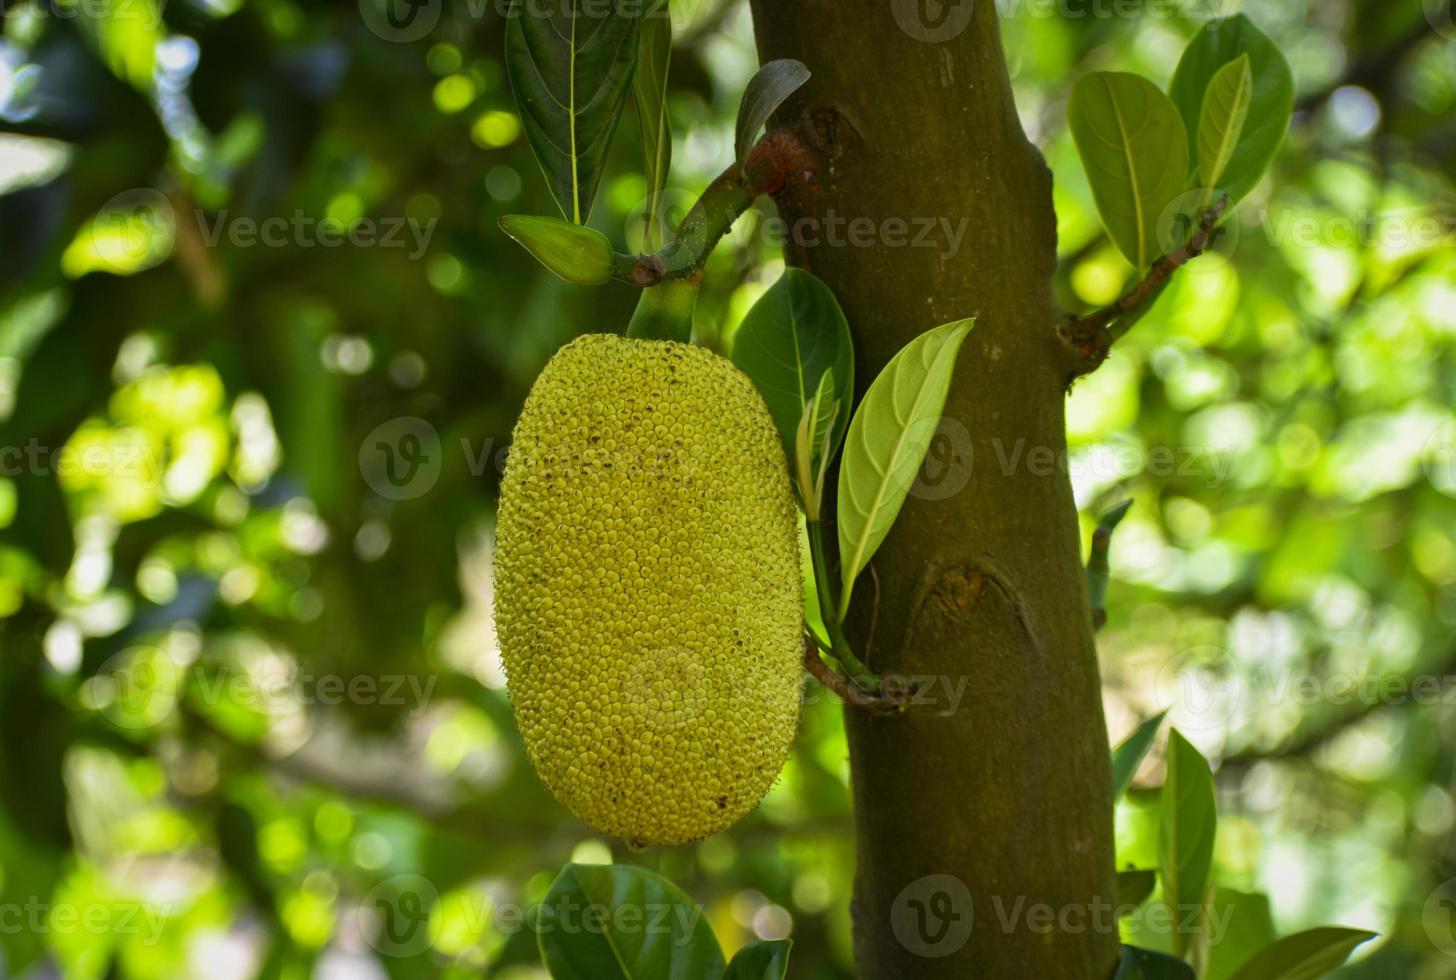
851	690
776	160
1091	336
1097	570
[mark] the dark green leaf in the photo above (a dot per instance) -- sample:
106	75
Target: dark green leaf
576	253
1135	152
792	335
1185	837
570	69
1134	886
649	91
760	961
1129	754
1144	964
765	92
1307	955
1244	926
1270	102
622	922
887	441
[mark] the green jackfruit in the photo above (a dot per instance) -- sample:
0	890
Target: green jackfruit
648	598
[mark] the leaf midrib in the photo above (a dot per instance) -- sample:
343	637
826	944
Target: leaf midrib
859	544
1132	173
571	121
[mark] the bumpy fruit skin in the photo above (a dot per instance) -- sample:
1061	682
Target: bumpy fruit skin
648	599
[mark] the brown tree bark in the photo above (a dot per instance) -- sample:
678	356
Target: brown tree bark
998	813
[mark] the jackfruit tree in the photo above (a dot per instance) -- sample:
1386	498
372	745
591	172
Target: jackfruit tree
649	601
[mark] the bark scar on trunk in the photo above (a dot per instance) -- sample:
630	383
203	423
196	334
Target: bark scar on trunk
973	593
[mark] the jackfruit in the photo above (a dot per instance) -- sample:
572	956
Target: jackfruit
648	599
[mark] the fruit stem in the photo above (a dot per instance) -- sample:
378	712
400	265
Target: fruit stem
665	312
840	648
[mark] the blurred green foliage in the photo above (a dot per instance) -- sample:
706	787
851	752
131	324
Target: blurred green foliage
261	347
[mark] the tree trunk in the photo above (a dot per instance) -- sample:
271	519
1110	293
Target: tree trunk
995	810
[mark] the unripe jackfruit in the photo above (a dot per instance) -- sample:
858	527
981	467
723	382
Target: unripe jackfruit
647	588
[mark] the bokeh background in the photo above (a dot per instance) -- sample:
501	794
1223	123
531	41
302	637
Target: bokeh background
252	716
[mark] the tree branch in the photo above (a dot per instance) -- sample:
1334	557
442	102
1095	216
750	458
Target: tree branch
1090	337
775	161
893	700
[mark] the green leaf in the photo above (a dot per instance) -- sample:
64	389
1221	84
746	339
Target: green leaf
1135	152
570	70
1144	964
622	922
887	441
665	311
1129	754
1305	955
576	253
765	92
792	335
1185	837
1134	886
813	444
1271	100
1225	110
760	961
1245	927
649	92
820	415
